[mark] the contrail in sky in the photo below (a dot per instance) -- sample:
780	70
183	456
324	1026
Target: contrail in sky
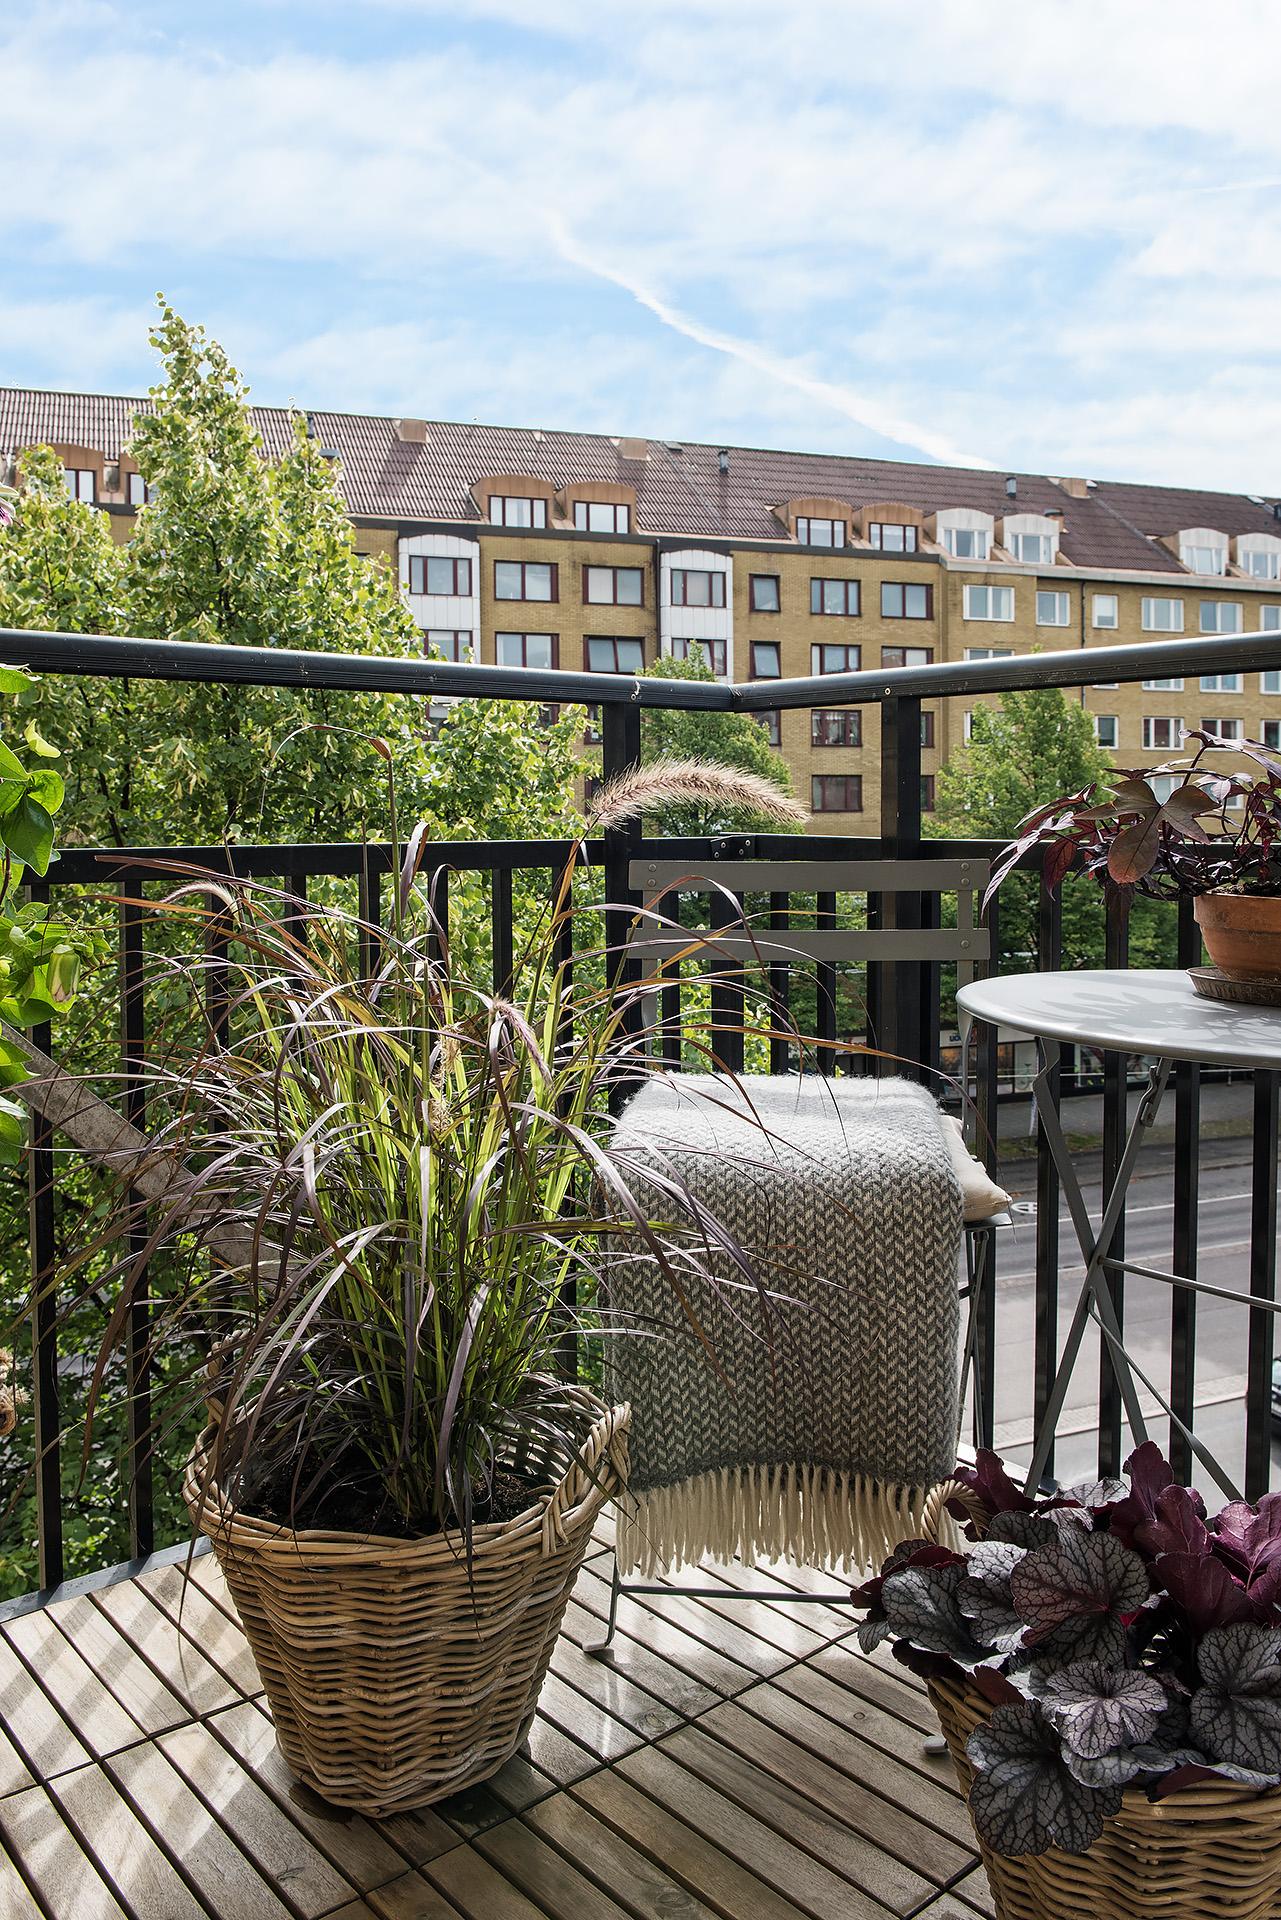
843	400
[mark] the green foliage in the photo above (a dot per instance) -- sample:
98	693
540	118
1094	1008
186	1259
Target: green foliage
730	739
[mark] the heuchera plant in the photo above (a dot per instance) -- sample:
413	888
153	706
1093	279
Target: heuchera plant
1123	1637
1215	831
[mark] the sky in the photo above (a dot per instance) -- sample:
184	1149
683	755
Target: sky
1040	237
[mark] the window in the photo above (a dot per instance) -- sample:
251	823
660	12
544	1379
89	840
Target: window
1220	683
766	660
836	727
447	643
80	483
1053	609
1163	686
1204	559
967	543
907	656
1225	729
762	593
773	728
614	586
891	538
836	792
989	603
1106	731
1270	682
834	596
1271	733
140	494
900	602
1270	619
713	653
967	725
927	793
989	653
439	576
1036	549
1163	784
516	510
1262	566
525	649
1221	616
927	729
820	533
604	654
1161	616
602	516
835	659
526	580
1160	731
1105	610
697	587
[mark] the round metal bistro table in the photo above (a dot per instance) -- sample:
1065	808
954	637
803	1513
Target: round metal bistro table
1159	1015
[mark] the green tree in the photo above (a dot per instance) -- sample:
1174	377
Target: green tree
1028	749
731	739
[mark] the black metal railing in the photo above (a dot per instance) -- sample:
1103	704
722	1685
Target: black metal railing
902	1000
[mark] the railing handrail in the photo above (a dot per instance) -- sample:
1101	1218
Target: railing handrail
216	663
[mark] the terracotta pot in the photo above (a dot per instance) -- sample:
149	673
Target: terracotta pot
1242	934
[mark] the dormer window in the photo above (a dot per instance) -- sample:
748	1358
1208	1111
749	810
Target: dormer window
820	533
81	483
1259	555
517	510
1203	550
967	543
140	494
888	537
1034	549
602	516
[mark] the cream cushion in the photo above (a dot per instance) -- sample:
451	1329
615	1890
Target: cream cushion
980	1195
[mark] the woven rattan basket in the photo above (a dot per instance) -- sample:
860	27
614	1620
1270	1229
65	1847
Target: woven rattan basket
395	1673
1210	1852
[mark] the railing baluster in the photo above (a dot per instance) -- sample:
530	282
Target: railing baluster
1263	1284
46	1407
620	752
133	1059
1187	1171
728	1007
1049	955
1115	1118
500	915
825	990
902	990
370	910
780	989
987	1147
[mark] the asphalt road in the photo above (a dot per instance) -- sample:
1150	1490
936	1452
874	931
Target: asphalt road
1224	1215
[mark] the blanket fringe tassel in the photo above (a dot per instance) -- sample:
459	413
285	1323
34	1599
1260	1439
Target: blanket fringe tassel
811	1514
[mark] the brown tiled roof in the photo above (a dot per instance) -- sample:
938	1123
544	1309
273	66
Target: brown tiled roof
679	489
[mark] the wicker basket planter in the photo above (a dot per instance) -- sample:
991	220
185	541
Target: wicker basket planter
395	1674
1210	1852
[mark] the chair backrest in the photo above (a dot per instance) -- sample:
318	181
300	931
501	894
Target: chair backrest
967	943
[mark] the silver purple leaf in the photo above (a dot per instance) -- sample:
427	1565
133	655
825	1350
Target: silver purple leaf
984	1594
1079	1577
1236	1715
1098	1709
1024	1798
921	1607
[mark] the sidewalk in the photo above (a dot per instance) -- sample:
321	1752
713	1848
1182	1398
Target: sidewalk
1226	1114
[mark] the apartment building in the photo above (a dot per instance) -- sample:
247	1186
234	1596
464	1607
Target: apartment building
599	553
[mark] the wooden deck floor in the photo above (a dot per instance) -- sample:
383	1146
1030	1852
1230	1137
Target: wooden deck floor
734	1760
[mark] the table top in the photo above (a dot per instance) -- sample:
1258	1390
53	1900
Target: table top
1155	1011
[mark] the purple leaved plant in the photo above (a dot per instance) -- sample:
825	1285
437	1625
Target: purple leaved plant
1123	1637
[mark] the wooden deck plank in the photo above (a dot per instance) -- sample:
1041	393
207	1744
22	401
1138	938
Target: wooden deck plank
477	1888
868	1722
281	1851
975	1892
195	1614
35	1740
639	1665
581	1719
145	1697
639	1846
180	1822
61	1671
125	1853
34	1832
616	1693
671	1639
893	1687
555	1883
820	1777
158	1644
769	1824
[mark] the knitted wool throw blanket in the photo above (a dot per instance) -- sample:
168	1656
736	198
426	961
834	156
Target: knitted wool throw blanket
834	1409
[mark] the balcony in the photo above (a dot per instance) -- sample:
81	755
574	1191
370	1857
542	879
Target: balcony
735	1757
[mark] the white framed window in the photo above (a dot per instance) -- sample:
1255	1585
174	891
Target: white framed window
1106	730
1270	619
967	543
1163	784
1270	733
989	653
1200	558
989	603
1160	614
1220	683
602	516
1034	549
820	533
1052	609
1161	731
1105	610
1233	729
1221	616
1262	566
967	725
1163	686
1270	682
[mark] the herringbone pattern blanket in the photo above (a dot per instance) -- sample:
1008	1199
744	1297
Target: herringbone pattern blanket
834	1410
